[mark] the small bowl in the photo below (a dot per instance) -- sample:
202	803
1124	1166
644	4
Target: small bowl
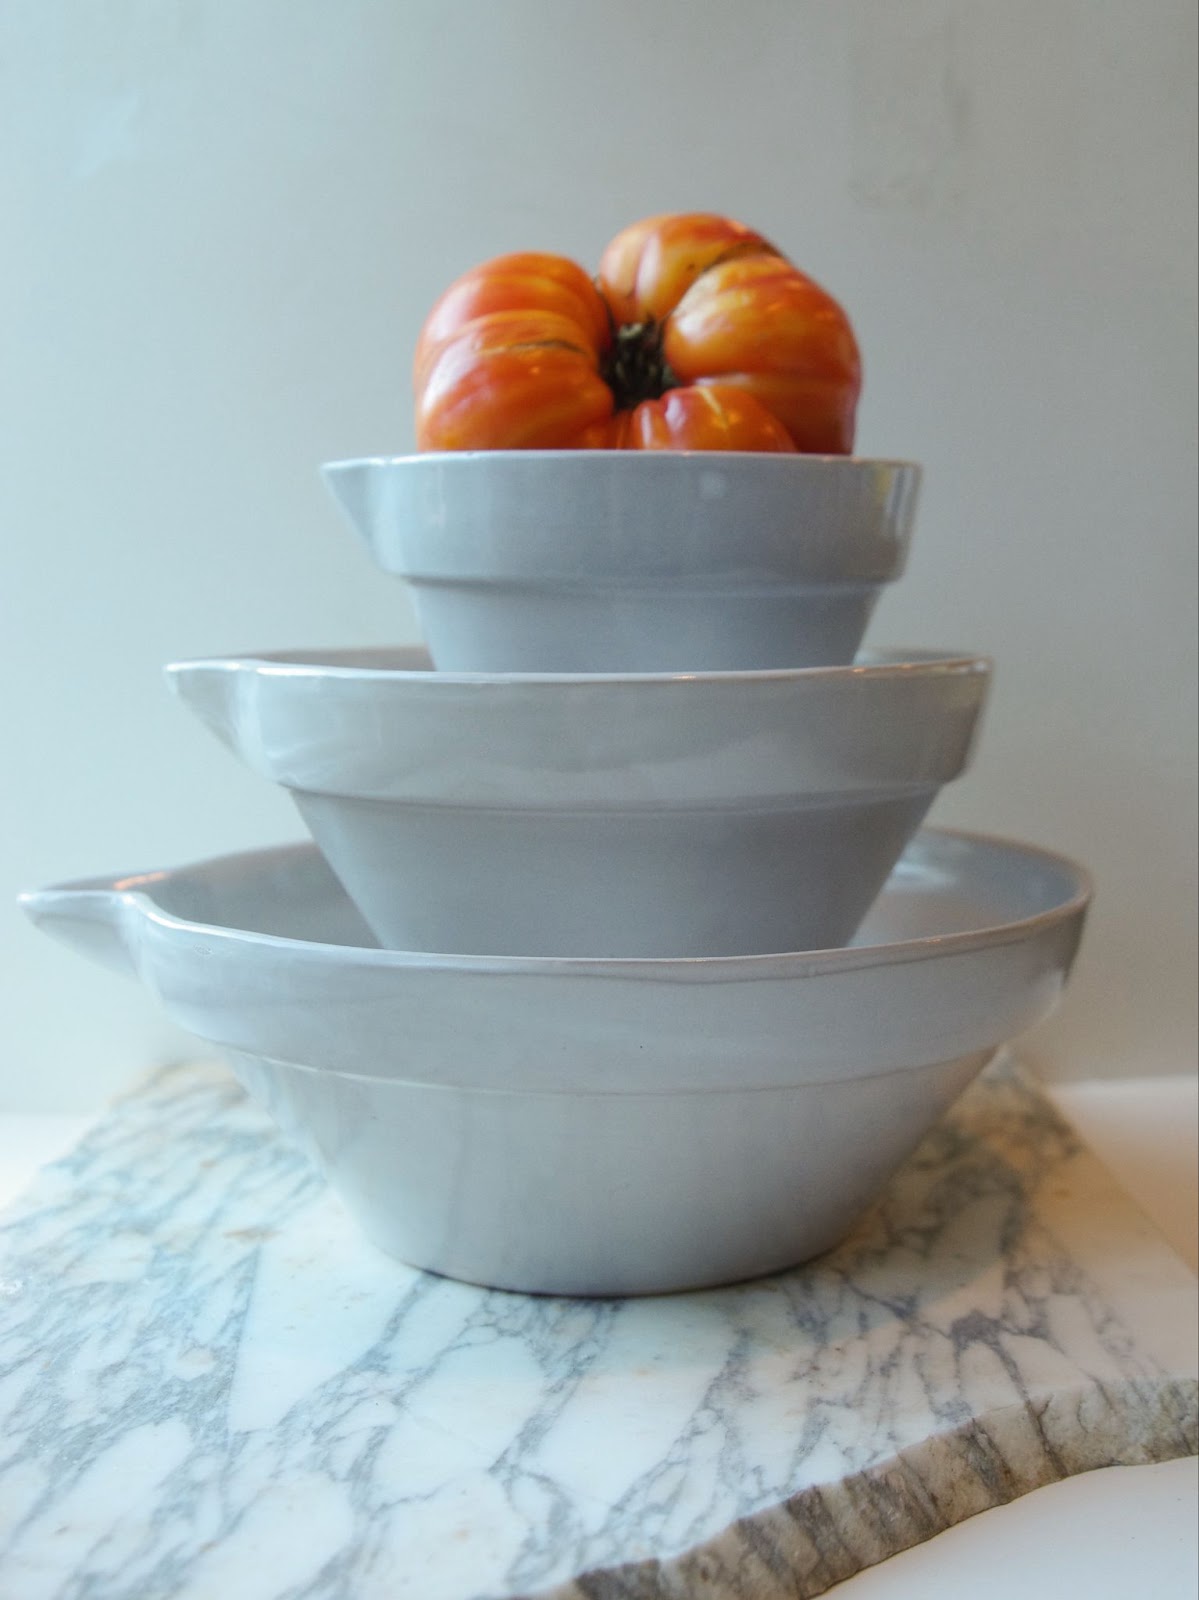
673	815
629	561
596	1128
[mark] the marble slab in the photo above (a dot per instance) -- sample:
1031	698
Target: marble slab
209	1385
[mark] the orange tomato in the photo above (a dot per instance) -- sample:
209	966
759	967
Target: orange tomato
697	335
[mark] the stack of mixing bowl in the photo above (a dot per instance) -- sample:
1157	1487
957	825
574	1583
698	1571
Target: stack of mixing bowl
591	983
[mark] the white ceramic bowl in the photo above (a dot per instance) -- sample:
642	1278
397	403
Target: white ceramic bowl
688	815
596	1127
630	561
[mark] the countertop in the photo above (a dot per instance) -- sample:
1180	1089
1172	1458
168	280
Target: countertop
1113	1532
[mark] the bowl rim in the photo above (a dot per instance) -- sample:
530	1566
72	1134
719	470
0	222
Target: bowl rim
135	890
872	664
726	457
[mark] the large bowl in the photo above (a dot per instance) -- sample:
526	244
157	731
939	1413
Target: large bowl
596	1127
624	561
689	815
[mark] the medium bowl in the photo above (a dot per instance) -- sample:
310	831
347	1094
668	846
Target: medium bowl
596	1127
647	816
628	561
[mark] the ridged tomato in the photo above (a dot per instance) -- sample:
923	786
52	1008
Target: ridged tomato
697	335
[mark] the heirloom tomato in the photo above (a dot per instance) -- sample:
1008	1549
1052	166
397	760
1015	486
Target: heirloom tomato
697	334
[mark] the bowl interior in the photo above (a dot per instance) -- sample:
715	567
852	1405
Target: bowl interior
947	885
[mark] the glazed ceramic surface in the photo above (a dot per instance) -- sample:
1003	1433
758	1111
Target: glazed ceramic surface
629	561
661	815
596	1127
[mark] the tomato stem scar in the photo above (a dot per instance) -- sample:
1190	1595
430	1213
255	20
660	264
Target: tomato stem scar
635	368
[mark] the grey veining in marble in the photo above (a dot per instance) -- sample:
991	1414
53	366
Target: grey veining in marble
210	1386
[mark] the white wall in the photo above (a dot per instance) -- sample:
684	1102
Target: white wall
223	221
